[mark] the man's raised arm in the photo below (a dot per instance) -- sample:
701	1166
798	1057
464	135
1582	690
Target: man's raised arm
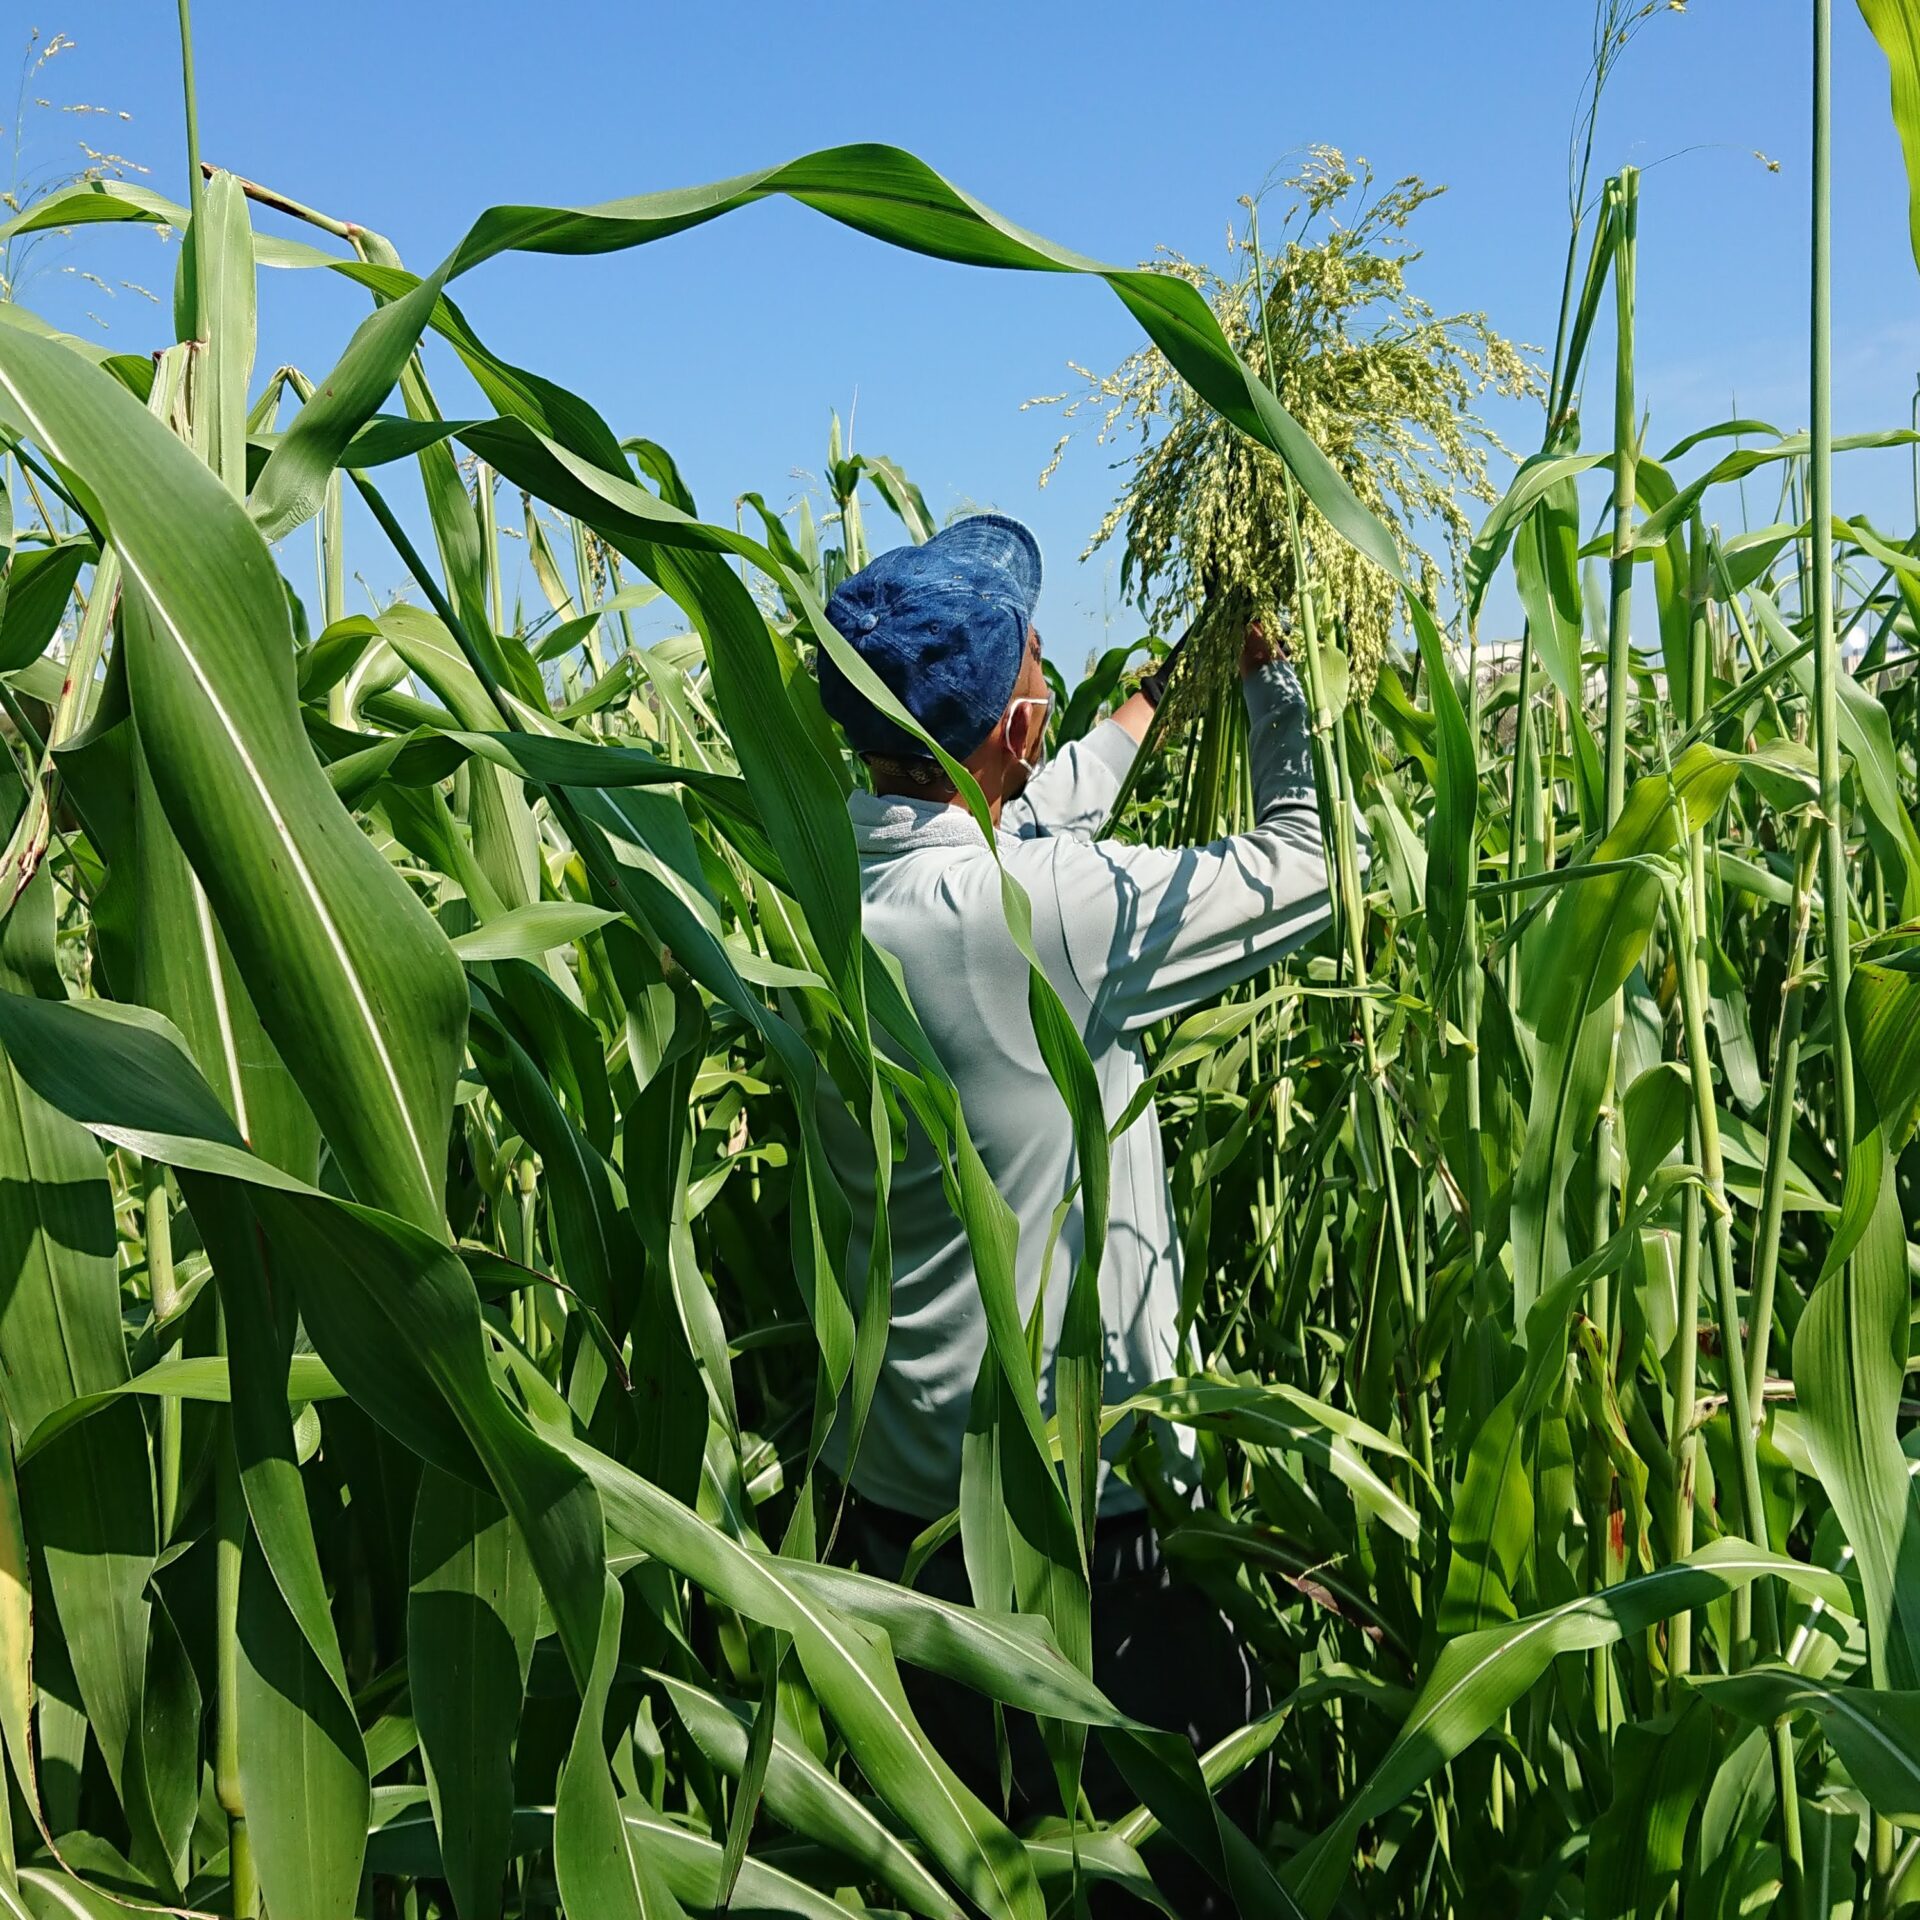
1154	931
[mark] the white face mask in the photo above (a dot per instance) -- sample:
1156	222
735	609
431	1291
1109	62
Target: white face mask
1044	701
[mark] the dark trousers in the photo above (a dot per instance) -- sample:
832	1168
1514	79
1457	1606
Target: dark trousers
1163	1653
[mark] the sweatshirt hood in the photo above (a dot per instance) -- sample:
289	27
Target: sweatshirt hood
890	823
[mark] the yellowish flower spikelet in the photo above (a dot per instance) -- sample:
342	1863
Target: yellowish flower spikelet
1385	385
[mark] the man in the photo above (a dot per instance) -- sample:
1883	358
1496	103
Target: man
1128	936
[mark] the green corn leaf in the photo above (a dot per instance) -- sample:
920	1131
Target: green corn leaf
1731	1856
90	1502
201	1377
214	303
1883	1021
1898	33
1876	1735
1867	735
472	1610
1492	1525
1480	1675
1653	1120
38	590
1538	479
402	1842
1288	1420
303	1767
1830	1876
525	933
603	1865
1849	1359
1743	461
804	1796
1660	1770
366	1003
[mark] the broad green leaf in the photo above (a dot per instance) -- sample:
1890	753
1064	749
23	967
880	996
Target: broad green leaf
1876	1735
90	1502
1477	1677
1849	1360
1538	479
1653	1120
1898	32
1287	1420
1883	1021
38	589
471	1615
1867	735
1492	1525
351	978
1660	1770
807	1798
603	1865
402	1842
202	1377
303	1768
1743	461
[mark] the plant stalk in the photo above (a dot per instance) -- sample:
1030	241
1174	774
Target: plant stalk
1685	1434
1826	657
230	1524
1625	488
1347	874
1690	949
1836	925
1781	1095
196	185
1625	191
156	1226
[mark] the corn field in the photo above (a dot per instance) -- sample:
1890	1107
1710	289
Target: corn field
424	1297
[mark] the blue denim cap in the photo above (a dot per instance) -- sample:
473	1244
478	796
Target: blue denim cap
945	625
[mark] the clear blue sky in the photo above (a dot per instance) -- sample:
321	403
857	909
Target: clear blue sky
1112	129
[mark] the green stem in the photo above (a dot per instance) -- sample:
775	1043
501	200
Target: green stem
1826	667
196	186
1524	824
1686	1438
1793	1853
1691	972
1472	993
1826	659
230	1526
1687	1336
484	480
583	572
1347	878
1882	1871
1625	191
1625	486
163	1289
1561	376
1780	1103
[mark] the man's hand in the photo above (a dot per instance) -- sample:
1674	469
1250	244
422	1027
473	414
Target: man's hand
1257	651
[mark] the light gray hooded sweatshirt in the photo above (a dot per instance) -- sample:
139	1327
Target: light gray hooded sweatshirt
1128	936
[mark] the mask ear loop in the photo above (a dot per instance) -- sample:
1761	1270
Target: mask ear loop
1044	701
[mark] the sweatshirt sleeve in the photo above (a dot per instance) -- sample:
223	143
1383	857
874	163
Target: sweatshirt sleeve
1154	931
1075	791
